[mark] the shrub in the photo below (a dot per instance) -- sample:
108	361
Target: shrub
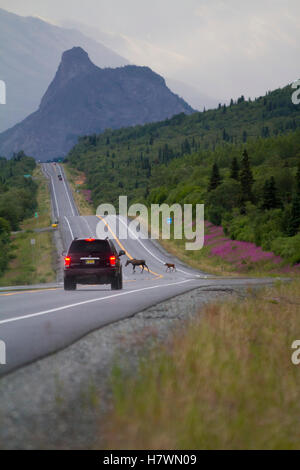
288	248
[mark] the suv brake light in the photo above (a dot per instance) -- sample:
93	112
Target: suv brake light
67	261
90	239
112	260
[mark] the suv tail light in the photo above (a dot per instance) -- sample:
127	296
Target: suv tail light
90	239
112	260
67	261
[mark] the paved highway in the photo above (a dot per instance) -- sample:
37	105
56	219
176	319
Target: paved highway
35	323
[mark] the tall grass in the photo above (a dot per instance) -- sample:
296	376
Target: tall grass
226	383
31	264
76	180
44	204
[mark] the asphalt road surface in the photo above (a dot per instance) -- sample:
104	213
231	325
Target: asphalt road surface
35	323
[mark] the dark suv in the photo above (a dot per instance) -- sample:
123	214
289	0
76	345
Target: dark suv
92	261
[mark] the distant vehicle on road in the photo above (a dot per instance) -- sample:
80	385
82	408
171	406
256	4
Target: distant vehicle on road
93	261
60	177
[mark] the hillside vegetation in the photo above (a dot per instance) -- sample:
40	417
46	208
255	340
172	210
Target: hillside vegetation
241	160
17	199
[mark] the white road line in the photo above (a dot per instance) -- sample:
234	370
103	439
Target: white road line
65	307
149	251
65	186
72	235
53	188
55	198
88	226
44	169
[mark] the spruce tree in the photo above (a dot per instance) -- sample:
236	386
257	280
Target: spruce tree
225	136
246	178
215	178
186	148
294	225
298	179
234	169
270	198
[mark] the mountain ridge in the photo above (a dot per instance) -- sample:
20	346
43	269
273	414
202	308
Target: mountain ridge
84	99
30	51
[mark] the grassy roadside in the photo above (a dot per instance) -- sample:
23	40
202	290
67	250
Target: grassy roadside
44	204
216	265
227	382
76	180
33	264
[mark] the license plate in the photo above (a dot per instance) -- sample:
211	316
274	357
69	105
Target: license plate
90	261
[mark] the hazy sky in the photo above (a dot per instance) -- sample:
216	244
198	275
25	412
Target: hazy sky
222	47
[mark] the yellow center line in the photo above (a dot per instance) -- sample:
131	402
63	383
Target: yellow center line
28	291
122	246
87	286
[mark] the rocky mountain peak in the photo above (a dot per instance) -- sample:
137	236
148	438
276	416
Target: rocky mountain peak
74	62
75	59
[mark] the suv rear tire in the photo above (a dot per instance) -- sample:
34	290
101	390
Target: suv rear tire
117	283
69	284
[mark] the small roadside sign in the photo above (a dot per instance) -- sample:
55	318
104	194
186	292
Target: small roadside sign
36	215
32	241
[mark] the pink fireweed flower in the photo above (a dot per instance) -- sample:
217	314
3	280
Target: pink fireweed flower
236	252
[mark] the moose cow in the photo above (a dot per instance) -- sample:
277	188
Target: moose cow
137	262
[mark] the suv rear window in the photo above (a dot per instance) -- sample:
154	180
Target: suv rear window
82	246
